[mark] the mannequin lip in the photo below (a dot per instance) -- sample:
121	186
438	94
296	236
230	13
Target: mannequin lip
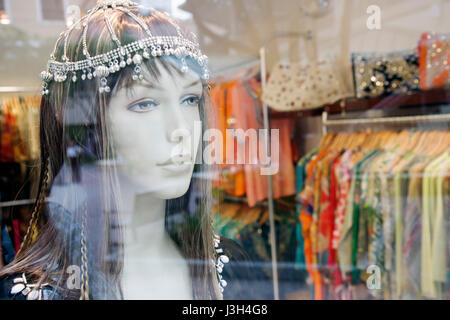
177	168
178	160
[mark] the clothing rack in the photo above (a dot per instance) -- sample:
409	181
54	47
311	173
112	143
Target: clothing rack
398	119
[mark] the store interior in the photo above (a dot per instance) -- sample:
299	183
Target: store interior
359	93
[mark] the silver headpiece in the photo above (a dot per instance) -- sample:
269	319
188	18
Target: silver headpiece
101	66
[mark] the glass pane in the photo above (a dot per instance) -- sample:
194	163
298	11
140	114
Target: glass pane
278	150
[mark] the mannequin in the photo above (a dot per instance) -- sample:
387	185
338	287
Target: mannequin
163	107
124	225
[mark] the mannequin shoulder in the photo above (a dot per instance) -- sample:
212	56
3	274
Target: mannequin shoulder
21	287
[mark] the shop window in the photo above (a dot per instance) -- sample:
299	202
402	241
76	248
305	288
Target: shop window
5	17
51	10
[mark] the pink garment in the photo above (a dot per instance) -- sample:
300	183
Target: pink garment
243	112
344	174
284	182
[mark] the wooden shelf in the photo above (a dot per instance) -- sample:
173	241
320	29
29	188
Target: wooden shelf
421	98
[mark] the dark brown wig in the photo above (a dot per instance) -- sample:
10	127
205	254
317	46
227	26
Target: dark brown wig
53	243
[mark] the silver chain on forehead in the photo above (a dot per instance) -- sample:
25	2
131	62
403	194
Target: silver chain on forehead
101	66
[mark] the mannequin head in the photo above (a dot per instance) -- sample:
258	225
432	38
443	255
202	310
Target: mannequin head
148	125
134	130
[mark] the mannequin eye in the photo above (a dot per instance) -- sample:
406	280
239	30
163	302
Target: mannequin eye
143	106
192	101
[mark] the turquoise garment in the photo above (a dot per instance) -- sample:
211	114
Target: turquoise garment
300	182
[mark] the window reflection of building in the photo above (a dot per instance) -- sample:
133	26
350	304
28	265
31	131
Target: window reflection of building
163	5
4	12
28	29
51	10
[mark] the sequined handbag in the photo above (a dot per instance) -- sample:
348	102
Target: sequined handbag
434	60
376	75
297	86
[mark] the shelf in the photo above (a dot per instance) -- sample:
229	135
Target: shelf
421	98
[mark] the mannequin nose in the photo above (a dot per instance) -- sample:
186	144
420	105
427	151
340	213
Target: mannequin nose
176	125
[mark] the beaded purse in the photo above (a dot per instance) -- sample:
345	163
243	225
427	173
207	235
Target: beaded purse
376	75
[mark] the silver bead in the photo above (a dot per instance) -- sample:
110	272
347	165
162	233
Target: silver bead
46	76
107	89
224	259
223	283
89	75
33	295
112	69
141	77
83	76
26	291
101	89
137	59
74	78
123	64
17	288
129	61
146	55
135	77
101	71
116	67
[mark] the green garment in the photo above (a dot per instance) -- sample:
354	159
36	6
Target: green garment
345	241
429	216
356	212
439	236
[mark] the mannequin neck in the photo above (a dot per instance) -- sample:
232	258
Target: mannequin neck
146	227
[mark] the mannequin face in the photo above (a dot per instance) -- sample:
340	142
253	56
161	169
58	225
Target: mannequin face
150	124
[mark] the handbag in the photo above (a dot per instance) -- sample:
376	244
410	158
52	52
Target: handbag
377	75
303	86
434	60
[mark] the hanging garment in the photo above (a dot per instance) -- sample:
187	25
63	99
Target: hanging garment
434	60
389	201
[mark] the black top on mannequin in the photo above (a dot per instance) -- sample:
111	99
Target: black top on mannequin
238	273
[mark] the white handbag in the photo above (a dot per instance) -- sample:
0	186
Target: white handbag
303	86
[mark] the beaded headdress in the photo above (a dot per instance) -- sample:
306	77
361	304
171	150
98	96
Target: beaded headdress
101	66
